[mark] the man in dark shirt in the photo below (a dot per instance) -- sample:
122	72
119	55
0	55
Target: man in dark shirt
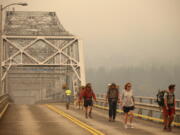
112	97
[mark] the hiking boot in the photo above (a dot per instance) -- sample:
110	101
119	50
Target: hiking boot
169	128
165	128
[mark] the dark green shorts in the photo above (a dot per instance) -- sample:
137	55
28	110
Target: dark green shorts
88	103
126	109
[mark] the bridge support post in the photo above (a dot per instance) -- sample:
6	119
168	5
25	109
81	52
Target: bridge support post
1	49
81	62
150	113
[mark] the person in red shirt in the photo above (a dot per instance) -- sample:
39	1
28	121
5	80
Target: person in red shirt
88	96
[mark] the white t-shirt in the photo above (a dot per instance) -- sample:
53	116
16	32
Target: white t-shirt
127	98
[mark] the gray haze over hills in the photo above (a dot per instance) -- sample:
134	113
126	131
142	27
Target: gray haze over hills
134	41
146	82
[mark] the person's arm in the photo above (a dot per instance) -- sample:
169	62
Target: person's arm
133	99
122	97
165	101
81	95
174	103
107	95
118	96
94	96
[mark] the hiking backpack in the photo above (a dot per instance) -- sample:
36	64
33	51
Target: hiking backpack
160	97
113	93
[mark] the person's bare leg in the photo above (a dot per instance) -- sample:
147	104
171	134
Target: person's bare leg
165	121
125	119
78	104
131	115
90	111
82	105
171	118
86	112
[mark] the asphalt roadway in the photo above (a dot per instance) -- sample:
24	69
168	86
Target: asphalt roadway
54	119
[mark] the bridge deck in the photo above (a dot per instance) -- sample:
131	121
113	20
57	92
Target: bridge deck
36	120
40	120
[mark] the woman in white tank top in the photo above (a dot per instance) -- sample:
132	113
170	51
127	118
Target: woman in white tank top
128	105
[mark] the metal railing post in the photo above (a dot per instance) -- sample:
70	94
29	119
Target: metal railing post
150	113
140	110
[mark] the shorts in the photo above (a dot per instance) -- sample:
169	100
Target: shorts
127	109
88	103
169	112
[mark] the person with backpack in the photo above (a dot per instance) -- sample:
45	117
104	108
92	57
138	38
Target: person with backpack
128	105
88	96
112	98
169	107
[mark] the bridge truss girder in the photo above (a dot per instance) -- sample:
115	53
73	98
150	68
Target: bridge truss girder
63	51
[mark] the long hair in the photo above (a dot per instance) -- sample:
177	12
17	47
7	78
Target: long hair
126	85
88	85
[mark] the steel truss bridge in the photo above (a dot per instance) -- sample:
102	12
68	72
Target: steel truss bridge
38	56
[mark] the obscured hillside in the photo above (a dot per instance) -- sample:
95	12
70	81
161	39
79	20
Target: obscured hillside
146	82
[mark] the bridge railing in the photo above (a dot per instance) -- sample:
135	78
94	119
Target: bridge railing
54	98
146	108
4	102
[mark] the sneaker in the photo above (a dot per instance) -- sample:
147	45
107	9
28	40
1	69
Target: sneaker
165	128
131	125
169	128
125	126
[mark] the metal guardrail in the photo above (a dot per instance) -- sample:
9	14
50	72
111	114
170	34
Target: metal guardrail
4	103
146	107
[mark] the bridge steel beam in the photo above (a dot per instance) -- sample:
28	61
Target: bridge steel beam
77	64
27	45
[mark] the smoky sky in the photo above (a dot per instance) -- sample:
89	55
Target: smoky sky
119	33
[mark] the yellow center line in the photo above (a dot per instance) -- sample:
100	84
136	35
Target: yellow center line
74	120
4	110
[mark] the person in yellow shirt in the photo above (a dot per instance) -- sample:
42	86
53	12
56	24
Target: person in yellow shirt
68	94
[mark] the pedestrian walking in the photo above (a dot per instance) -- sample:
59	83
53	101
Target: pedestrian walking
128	104
88	96
68	94
112	98
80	101
169	107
